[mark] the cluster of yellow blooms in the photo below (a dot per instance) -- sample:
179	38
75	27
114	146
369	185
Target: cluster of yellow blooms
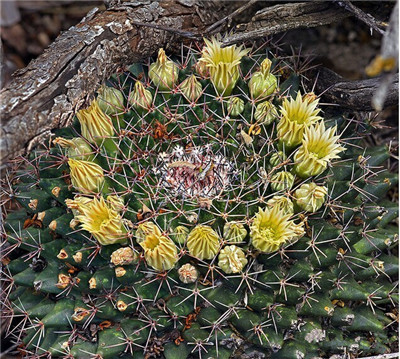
299	124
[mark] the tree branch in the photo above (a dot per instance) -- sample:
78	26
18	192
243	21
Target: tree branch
355	95
279	18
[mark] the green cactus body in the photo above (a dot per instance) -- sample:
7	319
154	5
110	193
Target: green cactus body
187	230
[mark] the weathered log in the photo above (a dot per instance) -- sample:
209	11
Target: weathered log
354	95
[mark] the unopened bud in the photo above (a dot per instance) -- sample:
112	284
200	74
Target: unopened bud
191	88
110	100
263	83
235	106
163	72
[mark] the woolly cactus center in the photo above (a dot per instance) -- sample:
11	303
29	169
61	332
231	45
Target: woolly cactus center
194	174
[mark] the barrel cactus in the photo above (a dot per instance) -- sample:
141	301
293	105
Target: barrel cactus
203	206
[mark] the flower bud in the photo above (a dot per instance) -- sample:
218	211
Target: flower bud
103	222
188	273
163	72
140	98
191	89
77	148
203	242
234	232
277	158
283	203
282	181
180	234
110	100
124	256
263	83
116	202
86	177
159	251
310	197
265	113
232	259
95	124
235	106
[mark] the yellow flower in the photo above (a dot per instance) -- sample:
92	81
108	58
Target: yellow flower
87	177
318	148
310	197
272	228
263	83
159	251
191	88
77	204
103	222
146	228
163	72
232	259
95	124
223	64
77	148
234	232
296	116
282	202
203	242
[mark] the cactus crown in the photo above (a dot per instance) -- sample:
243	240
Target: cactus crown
196	207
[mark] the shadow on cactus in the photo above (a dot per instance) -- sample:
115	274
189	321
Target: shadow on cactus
203	207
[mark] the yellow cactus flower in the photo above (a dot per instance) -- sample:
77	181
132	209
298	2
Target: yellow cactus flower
159	251
272	228
310	197
146	228
282	202
318	148
222	64
140	98
95	124
263	83
203	242
86	177
297	115
234	232
77	148
103	222
191	88
77	204
232	259
163	72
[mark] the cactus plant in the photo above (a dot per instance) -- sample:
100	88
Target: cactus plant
203	207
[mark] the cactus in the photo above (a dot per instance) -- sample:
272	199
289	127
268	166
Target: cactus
203	207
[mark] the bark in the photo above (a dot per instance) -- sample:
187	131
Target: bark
354	95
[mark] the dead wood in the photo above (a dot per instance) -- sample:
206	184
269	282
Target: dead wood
354	95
